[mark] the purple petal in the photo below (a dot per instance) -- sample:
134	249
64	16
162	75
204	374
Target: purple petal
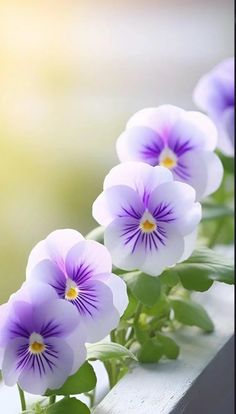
48	272
57	318
166	255
192	131
179	210
123	237
10	369
87	259
117	201
140	144
98	314
49	369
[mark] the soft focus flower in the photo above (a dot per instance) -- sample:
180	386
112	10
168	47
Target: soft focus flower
41	339
176	139
214	94
150	219
80	272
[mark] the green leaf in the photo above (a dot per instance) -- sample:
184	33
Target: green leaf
150	351
68	406
191	313
97	234
131	308
83	380
145	288
212	211
108	350
170	347
206	263
141	333
160	309
195	279
169	277
228	163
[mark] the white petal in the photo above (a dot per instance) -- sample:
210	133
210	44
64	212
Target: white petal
76	341
160	119
215	172
37	254
165	256
197	169
137	175
119	290
55	246
59	242
189	245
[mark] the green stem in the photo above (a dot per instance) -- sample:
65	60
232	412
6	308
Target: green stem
113	336
22	398
111	372
138	313
136	319
52	399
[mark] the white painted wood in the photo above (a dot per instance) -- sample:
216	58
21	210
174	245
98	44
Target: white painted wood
200	381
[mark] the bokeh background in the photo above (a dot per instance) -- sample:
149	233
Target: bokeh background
71	74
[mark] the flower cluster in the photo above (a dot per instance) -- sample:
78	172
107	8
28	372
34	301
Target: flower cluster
150	219
179	140
70	297
150	211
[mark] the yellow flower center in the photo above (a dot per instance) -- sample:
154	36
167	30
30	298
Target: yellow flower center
168	158
72	290
72	293
168	162
36	343
37	347
147	224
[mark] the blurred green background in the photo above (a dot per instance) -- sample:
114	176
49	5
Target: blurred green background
71	74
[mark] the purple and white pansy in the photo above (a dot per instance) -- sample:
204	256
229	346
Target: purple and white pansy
79	271
150	220
214	94
42	341
182	141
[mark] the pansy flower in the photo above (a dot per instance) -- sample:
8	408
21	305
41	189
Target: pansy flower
214	94
79	271
42	341
179	140
150	220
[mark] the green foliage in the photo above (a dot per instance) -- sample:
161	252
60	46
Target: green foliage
97	234
83	380
146	289
150	351
108	350
191	313
212	211
170	347
130	310
201	269
68	406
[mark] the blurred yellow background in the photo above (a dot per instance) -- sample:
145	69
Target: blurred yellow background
71	74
